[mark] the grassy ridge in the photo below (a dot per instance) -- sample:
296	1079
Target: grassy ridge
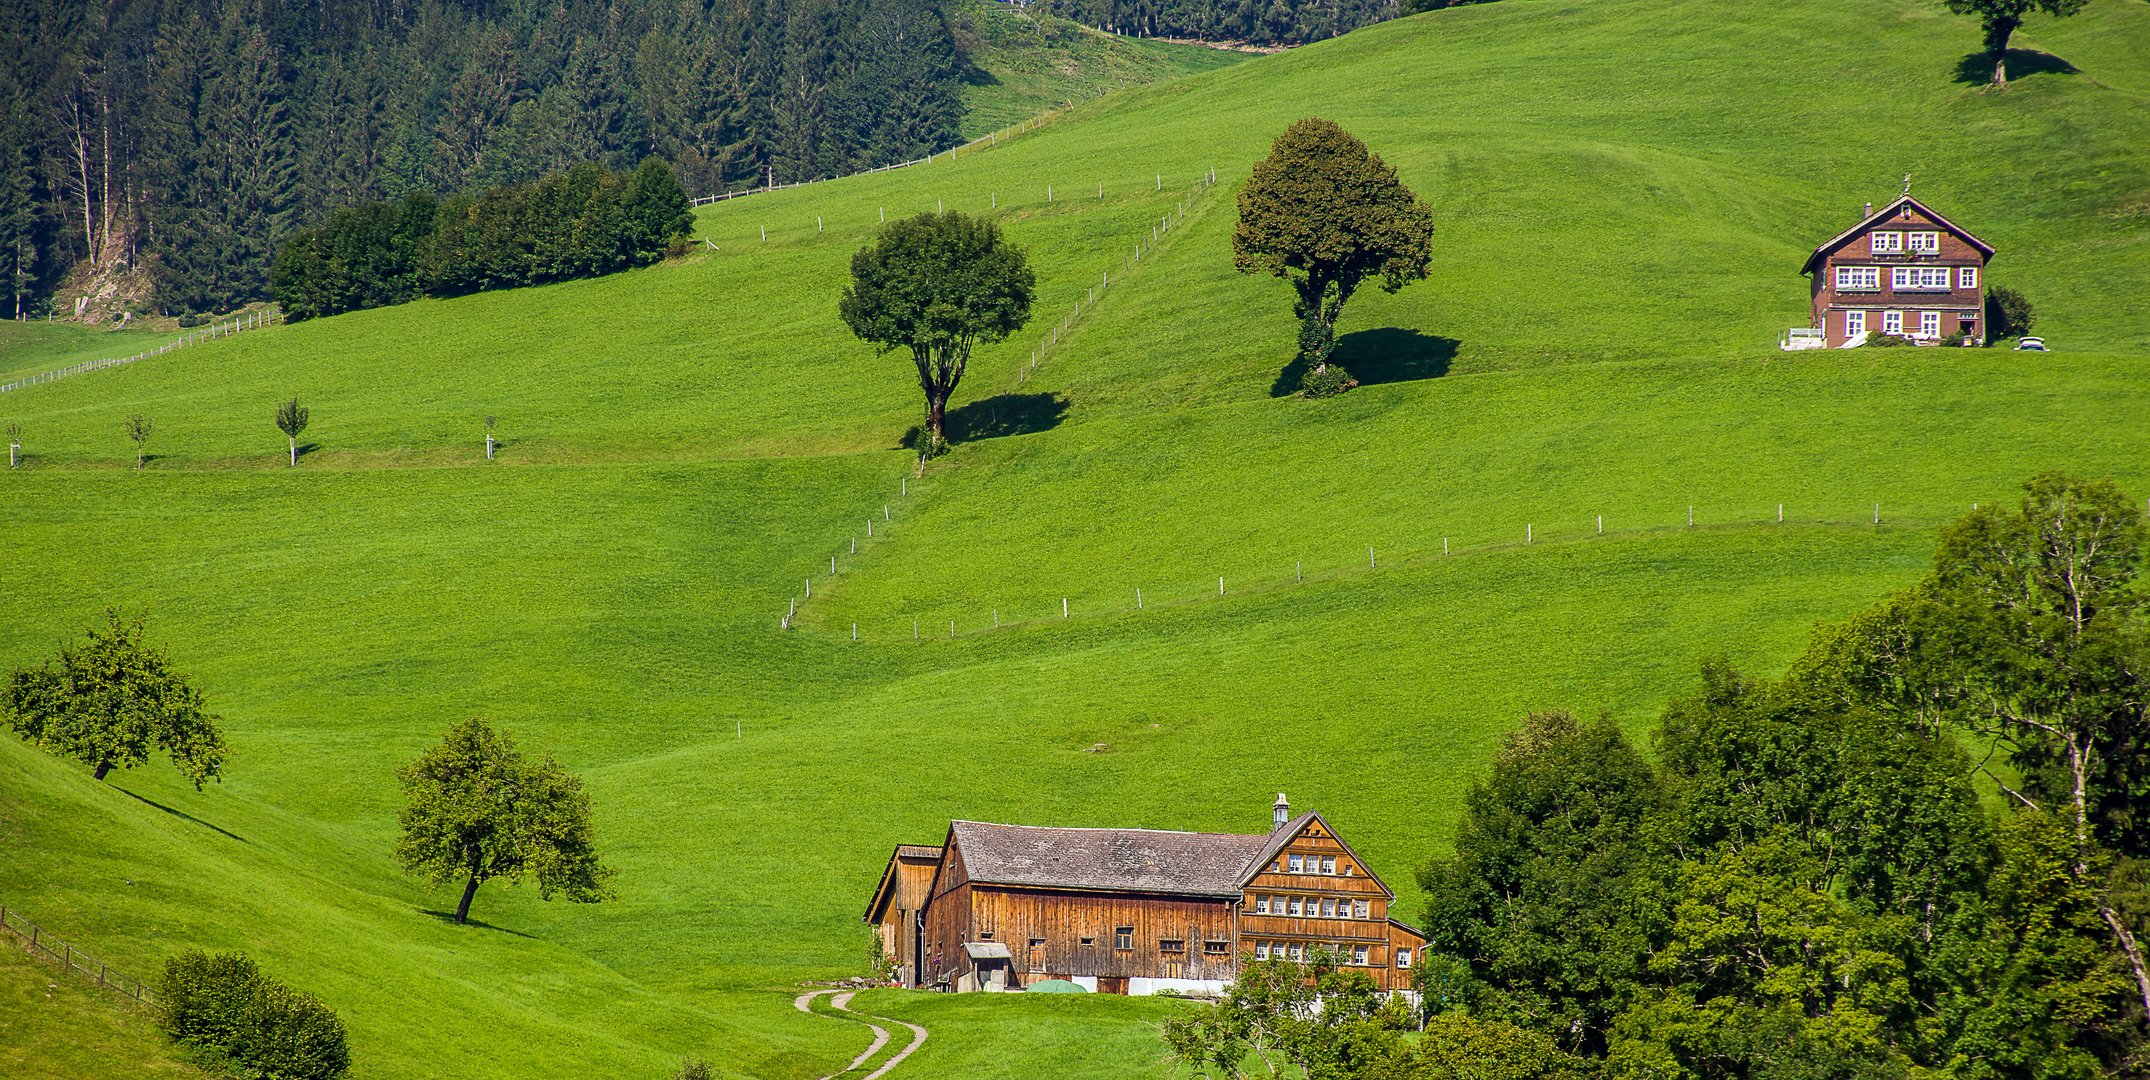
1025	62
27	348
1624	191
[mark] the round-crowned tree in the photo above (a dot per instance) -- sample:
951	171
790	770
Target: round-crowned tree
476	810
937	284
107	701
1325	213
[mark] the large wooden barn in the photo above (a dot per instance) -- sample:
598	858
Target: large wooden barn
1133	911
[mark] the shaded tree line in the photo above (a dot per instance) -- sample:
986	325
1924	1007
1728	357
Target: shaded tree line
578	222
181	139
1254	22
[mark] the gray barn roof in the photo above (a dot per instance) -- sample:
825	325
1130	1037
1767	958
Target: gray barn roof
1137	860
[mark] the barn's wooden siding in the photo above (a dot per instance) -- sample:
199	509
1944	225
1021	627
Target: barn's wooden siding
1057	934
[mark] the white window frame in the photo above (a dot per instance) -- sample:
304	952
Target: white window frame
1885	243
1261	905
1967	277
1297	951
1292	905
1919	278
1359	953
1261	950
1854	323
1328	865
1930	324
1925	243
1328	907
1858	277
1892	323
1403	958
1296	863
1359	908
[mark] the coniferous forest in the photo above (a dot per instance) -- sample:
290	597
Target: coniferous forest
184	141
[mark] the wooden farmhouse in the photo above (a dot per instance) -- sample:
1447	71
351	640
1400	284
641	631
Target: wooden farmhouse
1904	271
1133	911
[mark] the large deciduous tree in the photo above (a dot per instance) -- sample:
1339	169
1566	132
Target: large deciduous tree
2030	633
1325	213
477	810
107	701
936	284
2001	18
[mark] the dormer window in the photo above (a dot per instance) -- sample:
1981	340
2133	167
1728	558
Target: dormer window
1926	242
1887	243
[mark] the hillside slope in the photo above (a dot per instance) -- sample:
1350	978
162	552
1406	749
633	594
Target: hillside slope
1624	192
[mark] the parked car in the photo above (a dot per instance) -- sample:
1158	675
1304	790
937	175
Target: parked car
2030	344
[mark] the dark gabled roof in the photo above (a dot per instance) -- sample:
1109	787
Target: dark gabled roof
888	873
1112	860
1876	217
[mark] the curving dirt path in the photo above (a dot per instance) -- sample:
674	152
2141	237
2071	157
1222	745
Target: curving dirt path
841	1003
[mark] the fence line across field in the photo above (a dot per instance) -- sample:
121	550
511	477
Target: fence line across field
1381	560
254	320
37	942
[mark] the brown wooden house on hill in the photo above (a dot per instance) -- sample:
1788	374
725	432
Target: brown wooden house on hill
1133	911
1904	271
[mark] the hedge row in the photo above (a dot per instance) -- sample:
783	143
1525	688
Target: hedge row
224	1007
577	223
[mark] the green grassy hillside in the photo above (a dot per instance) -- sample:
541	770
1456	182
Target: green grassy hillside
1025	62
1623	195
57	1027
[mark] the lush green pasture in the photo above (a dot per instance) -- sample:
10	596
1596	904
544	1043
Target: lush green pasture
57	1027
1624	191
1026	62
1169	504
27	348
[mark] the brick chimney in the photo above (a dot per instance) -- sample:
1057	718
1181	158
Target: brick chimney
1283	812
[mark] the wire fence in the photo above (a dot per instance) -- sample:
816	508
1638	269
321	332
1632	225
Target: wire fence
1182	589
37	942
255	320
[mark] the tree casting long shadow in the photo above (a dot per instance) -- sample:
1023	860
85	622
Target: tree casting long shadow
178	813
1385	354
998	417
1976	69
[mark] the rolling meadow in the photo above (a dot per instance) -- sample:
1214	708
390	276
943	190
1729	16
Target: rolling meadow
1623	194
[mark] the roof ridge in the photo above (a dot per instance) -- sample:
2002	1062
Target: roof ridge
1104	828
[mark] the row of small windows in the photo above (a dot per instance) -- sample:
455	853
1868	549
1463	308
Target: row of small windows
1315	864
1319	907
1891	243
1360	955
1892	323
1905	277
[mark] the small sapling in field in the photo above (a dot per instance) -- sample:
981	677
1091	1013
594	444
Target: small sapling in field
291	420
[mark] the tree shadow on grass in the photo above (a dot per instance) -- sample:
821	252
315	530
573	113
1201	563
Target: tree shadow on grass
449	918
1976	69
1006	414
306	448
1386	354
183	814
